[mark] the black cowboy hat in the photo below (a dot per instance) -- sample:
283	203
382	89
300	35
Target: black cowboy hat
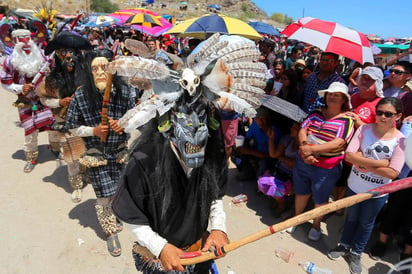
67	40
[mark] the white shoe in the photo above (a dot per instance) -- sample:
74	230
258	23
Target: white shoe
314	234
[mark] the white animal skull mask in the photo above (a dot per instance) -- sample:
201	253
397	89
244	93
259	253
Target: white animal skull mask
189	81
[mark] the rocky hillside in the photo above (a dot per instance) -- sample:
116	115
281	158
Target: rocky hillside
242	9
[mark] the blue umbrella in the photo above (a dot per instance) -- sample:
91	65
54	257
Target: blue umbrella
101	21
213	6
264	28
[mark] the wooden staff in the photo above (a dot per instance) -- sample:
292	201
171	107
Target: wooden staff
309	215
105	105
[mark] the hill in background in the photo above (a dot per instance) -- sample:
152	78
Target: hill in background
242	9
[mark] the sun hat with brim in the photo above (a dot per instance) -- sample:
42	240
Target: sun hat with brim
336	87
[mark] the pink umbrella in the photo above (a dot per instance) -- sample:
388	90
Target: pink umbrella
154	31
122	16
331	37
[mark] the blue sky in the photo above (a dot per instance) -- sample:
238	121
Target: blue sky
383	18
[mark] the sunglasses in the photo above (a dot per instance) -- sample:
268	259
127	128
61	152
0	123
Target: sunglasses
397	71
387	114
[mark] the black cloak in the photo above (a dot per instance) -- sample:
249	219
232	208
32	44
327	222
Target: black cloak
155	190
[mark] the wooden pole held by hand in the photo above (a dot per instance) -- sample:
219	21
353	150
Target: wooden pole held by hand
299	219
105	104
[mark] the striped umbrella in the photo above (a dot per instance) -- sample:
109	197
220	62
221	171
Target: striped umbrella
154	30
331	37
144	20
206	25
122	16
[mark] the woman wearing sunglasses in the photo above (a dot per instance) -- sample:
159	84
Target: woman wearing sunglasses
376	152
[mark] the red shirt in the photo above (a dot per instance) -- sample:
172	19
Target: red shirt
366	109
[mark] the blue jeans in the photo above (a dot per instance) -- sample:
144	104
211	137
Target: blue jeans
359	222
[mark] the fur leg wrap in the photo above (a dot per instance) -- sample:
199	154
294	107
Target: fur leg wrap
55	147
106	218
76	181
31	156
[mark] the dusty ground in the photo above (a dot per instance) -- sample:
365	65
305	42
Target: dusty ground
42	231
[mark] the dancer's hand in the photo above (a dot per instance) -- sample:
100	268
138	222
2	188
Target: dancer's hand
170	258
115	126
101	131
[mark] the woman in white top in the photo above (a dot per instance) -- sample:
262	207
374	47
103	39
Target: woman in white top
377	154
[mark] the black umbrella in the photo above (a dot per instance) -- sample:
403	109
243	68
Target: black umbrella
67	40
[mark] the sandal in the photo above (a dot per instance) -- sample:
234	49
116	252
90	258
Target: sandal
76	196
113	245
29	166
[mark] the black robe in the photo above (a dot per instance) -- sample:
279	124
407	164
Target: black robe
155	190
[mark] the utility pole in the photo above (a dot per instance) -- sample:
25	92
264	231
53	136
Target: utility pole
303	12
87	6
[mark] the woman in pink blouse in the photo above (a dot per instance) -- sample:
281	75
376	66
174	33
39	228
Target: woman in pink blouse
377	155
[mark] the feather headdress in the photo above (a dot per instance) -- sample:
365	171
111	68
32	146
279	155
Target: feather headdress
222	69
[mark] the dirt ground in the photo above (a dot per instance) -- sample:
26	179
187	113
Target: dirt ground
42	231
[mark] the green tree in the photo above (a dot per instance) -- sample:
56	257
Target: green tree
288	20
278	17
103	6
245	7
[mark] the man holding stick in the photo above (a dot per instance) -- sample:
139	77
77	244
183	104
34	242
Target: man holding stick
19	70
105	143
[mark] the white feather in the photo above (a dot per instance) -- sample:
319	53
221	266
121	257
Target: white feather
212	51
237	46
147	110
139	67
241	56
247	88
252	99
140	118
212	40
257	67
238	104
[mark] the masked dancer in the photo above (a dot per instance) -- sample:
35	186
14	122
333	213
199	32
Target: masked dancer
103	159
19	69
59	87
175	180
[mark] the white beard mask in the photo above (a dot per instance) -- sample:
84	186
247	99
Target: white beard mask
100	72
27	64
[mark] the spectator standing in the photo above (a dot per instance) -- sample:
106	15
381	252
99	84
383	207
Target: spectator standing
296	54
399	75
377	154
320	80
266	47
322	138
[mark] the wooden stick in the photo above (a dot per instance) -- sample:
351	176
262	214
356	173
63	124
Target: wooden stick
306	216
105	105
